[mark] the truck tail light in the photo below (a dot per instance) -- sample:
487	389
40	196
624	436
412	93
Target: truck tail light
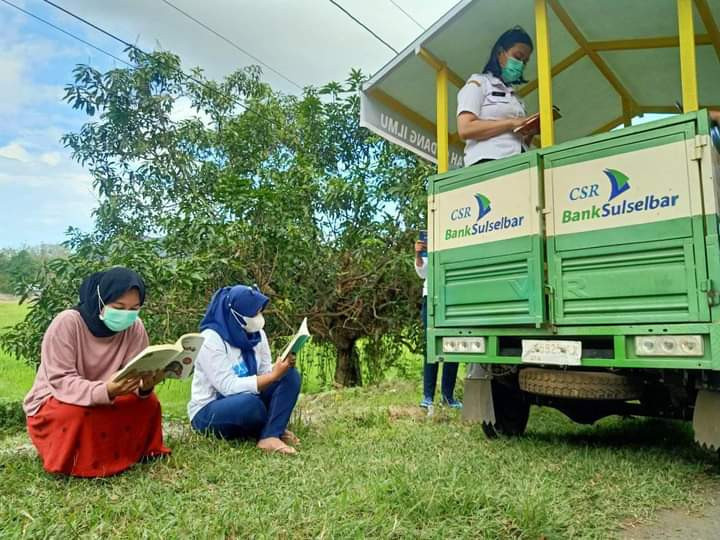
669	346
470	345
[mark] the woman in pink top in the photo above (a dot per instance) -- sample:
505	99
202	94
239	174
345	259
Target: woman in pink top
81	422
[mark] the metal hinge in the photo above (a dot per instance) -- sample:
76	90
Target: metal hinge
706	286
701	141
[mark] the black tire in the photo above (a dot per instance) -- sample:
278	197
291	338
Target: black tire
512	411
579	384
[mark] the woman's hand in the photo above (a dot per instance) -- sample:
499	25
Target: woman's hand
124	386
470	127
525	132
282	366
151	378
420	246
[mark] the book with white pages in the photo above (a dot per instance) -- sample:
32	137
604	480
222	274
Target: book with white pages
177	359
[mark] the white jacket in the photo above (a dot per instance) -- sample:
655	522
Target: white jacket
219	370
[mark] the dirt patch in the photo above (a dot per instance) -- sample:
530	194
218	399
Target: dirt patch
399	411
700	524
8	299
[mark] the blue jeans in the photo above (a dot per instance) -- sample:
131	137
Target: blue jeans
251	415
430	371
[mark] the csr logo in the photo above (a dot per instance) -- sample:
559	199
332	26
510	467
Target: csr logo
580	193
483	209
619	184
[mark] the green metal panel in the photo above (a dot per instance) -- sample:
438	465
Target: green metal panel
479	289
650	281
625	249
711	170
481	276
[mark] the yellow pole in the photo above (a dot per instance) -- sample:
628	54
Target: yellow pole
688	71
547	129
441	104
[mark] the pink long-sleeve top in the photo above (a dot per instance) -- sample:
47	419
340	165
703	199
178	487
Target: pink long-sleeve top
75	365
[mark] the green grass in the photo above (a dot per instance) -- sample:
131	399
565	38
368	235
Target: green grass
370	467
16	377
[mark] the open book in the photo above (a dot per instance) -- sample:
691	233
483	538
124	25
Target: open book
533	121
298	340
175	359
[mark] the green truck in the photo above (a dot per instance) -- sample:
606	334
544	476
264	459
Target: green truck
583	275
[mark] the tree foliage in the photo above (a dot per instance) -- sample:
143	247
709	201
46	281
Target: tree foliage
254	186
19	267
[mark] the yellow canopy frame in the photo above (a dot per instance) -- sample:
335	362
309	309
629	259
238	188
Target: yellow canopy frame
686	40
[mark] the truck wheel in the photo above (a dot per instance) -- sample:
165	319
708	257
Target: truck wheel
512	411
579	384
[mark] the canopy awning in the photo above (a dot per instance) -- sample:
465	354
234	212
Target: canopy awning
611	60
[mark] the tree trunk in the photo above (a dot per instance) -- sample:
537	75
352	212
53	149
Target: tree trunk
347	366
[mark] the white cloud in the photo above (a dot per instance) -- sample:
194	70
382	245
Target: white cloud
15	151
51	158
38	205
22	64
22	150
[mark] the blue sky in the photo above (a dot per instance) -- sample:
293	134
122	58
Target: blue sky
43	192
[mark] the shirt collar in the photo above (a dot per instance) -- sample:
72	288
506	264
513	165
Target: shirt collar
496	81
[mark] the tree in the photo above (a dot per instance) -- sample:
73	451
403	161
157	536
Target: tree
19	268
259	187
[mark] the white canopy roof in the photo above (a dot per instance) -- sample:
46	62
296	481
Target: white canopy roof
600	51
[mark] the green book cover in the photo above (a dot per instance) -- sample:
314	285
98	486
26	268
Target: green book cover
298	340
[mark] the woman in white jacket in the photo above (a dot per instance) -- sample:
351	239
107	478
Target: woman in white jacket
236	391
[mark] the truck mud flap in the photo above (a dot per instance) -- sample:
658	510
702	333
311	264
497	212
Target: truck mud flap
477	400
706	419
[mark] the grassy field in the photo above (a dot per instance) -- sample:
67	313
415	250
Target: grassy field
371	465
16	376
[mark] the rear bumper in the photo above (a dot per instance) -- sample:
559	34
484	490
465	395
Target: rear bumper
603	346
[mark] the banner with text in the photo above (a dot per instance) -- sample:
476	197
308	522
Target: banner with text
395	128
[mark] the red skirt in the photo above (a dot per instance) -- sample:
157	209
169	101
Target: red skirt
97	441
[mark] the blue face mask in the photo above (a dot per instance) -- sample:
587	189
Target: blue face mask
117	320
513	70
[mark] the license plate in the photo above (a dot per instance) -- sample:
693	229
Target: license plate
560	353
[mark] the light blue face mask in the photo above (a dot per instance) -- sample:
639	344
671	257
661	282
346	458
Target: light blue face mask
513	70
117	320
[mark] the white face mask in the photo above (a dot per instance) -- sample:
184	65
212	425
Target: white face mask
250	324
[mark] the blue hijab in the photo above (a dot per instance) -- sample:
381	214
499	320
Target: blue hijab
247	302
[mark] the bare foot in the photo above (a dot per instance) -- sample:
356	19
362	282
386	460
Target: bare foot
275	445
290	438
